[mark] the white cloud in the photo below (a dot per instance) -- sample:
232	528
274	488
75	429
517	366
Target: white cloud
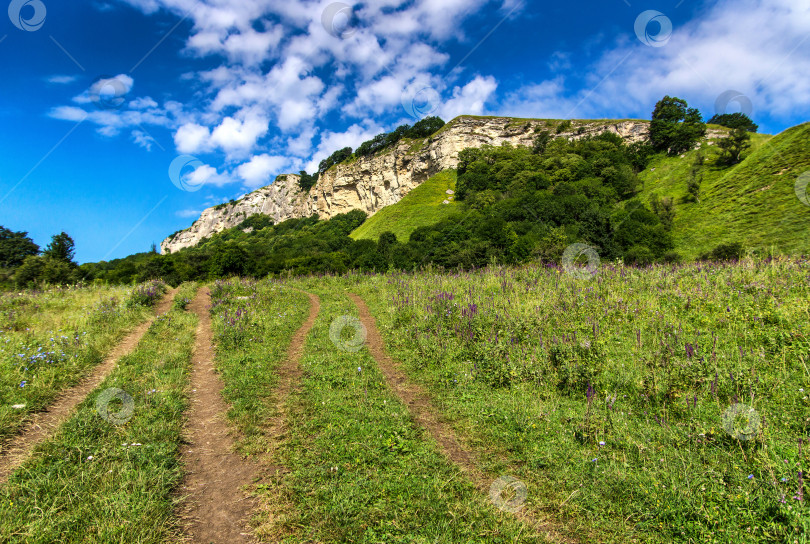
62	80
192	138
469	99
207	175
143	139
237	137
143	103
188	213
757	47
261	169
107	90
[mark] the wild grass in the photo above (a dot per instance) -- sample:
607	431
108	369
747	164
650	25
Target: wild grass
627	400
359	469
49	340
422	207
253	325
110	479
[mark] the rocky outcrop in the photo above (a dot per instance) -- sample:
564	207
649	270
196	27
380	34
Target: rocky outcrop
371	183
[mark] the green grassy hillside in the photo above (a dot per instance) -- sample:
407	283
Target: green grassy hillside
753	203
421	207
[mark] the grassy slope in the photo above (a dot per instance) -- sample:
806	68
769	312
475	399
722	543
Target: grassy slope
422	206
97	481
613	472
753	203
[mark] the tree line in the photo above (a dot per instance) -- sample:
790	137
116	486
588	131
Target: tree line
516	204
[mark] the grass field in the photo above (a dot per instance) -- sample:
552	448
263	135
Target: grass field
111	479
421	207
49	340
615	395
666	404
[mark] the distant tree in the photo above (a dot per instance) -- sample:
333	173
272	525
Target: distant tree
230	260
734	120
39	270
426	127
675	127
335	158
61	248
153	249
386	244
541	142
734	146
15	247
306	181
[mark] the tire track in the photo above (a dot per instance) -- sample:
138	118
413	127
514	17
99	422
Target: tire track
216	508
428	416
290	371
43	425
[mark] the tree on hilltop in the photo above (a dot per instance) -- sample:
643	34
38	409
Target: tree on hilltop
734	120
675	127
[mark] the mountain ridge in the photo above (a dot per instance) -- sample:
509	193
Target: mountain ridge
374	182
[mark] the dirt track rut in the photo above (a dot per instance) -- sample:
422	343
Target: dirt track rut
44	424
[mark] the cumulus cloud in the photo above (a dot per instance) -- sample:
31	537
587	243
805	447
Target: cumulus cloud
207	175
757	47
469	99
192	138
261	169
237	137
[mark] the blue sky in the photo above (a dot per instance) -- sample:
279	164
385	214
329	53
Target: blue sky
100	97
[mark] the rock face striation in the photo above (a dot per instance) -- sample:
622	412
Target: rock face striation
371	183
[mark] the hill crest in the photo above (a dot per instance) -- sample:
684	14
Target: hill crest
374	182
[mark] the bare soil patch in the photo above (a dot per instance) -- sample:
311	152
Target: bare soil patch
42	425
215	507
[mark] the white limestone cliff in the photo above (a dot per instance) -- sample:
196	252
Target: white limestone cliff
371	183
